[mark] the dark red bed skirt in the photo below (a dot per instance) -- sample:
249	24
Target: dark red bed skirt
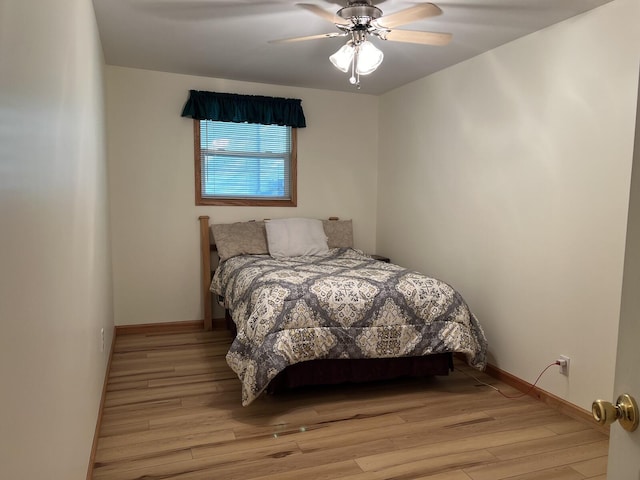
330	371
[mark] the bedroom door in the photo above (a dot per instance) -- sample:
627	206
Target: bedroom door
624	447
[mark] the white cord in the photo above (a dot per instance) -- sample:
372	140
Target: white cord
509	396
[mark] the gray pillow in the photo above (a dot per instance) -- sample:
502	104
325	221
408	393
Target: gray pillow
339	233
241	238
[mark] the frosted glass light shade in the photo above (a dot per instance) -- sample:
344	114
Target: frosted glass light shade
369	58
342	58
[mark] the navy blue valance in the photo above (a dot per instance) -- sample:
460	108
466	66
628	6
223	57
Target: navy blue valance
230	107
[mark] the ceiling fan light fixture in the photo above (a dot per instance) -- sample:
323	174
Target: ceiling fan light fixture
369	58
362	19
343	57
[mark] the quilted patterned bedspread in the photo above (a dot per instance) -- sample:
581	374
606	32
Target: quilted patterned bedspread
340	305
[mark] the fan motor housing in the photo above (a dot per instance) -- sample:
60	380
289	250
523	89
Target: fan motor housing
360	13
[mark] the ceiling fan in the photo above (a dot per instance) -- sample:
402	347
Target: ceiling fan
360	19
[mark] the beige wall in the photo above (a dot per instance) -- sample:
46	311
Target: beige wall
151	180
55	281
508	176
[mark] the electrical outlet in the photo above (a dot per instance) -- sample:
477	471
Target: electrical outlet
564	361
102	339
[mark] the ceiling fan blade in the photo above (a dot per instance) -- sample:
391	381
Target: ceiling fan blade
408	15
309	37
316	10
413	36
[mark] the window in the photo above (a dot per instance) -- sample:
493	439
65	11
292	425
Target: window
244	164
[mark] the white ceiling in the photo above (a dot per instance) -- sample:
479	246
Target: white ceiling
228	39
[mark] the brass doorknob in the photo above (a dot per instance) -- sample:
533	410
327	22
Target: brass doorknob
625	410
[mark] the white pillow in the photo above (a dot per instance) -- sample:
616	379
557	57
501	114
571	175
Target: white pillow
294	237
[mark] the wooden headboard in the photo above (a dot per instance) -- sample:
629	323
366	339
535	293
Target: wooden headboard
205	265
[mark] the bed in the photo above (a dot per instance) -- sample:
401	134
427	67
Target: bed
332	314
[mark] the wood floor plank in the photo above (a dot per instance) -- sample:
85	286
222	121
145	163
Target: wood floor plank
291	466
194	378
138	368
168	445
246	448
447	475
568	425
558	442
487	401
591	468
180	416
203	466
122	428
322	472
313	437
559	473
158	434
433	466
399	429
466	444
473	428
132	469
142	395
139	411
556	458
452	475
172	411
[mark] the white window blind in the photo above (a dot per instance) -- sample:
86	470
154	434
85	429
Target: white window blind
245	161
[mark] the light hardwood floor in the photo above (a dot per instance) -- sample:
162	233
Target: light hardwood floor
172	411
